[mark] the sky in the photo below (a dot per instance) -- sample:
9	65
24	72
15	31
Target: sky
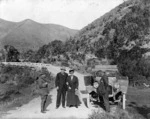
74	14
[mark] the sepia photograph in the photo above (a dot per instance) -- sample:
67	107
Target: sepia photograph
74	59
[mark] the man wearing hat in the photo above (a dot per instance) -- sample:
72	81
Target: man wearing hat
102	90
61	86
43	91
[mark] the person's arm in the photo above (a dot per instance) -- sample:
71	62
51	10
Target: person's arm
77	83
47	79
105	80
67	82
41	84
66	79
57	80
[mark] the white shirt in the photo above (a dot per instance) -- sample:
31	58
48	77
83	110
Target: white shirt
71	77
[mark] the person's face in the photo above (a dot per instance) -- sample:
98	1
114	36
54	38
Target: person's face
71	73
96	85
104	73
43	76
62	71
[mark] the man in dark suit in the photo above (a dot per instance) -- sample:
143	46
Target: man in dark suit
102	90
43	91
61	86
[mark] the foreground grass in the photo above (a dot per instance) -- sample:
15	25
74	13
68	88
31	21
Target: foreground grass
138	101
138	107
17	101
16	91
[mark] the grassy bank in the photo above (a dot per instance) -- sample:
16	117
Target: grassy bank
138	107
18	87
138	102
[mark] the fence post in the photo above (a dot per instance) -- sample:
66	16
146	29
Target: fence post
124	100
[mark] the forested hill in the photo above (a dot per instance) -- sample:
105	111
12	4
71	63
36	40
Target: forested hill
123	27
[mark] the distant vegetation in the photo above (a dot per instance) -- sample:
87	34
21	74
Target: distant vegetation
119	36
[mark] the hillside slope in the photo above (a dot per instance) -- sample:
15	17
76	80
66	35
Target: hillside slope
29	34
123	27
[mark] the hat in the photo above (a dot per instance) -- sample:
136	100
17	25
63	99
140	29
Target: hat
63	68
71	70
42	75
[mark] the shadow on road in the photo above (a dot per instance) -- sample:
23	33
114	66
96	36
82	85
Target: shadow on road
49	100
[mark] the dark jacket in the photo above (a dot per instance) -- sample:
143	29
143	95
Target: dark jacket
73	84
103	85
72	98
61	81
42	86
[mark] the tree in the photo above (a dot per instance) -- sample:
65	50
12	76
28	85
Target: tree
100	53
12	54
27	55
57	47
128	67
143	67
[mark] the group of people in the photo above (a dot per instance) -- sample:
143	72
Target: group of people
67	90
67	84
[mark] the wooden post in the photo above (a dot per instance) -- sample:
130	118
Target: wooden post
88	101
124	100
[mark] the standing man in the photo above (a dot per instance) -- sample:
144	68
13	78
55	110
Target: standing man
102	90
61	86
43	91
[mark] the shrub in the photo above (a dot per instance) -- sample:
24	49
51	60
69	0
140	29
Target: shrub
144	67
137	70
14	79
65	63
119	114
128	68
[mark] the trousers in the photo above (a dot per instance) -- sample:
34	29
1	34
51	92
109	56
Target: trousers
106	102
61	97
43	102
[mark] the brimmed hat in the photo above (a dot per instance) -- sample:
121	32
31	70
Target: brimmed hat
63	68
71	70
42	75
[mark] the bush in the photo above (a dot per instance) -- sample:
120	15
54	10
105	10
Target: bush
128	68
65	63
14	79
144	67
137	70
119	114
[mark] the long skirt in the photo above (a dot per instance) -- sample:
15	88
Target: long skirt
72	99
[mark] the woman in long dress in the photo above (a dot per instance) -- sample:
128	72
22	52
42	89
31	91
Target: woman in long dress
72	82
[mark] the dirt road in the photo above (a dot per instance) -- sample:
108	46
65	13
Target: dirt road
32	109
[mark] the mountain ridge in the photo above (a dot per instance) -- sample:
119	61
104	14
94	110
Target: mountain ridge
29	34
